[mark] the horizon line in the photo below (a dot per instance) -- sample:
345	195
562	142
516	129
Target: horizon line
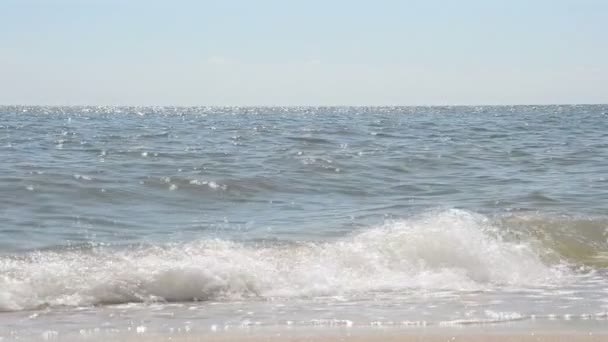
305	106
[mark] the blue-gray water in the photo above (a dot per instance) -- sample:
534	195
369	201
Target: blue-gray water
190	219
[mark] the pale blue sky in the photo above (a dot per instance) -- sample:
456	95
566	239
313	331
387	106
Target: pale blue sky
312	52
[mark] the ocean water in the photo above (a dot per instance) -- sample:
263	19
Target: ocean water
168	220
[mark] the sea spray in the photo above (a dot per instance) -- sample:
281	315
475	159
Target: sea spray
449	250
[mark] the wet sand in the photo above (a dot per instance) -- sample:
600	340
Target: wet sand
519	337
425	338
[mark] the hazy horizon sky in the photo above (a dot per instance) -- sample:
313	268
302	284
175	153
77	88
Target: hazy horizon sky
111	52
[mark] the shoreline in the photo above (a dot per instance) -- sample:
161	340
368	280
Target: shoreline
575	333
390	337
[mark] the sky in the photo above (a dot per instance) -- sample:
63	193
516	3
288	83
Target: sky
312	52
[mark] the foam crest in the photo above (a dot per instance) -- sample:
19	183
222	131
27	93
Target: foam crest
452	249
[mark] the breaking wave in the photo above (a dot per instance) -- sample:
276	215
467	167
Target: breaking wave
453	249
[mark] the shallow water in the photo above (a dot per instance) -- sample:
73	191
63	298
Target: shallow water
170	220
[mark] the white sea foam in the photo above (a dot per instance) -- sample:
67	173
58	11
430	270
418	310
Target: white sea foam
444	250
211	184
82	177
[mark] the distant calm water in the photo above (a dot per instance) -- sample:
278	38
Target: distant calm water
179	220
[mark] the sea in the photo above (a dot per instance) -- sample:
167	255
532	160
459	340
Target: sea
142	221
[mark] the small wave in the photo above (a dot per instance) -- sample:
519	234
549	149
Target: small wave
576	240
82	177
210	184
230	186
311	140
540	197
446	250
480	321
